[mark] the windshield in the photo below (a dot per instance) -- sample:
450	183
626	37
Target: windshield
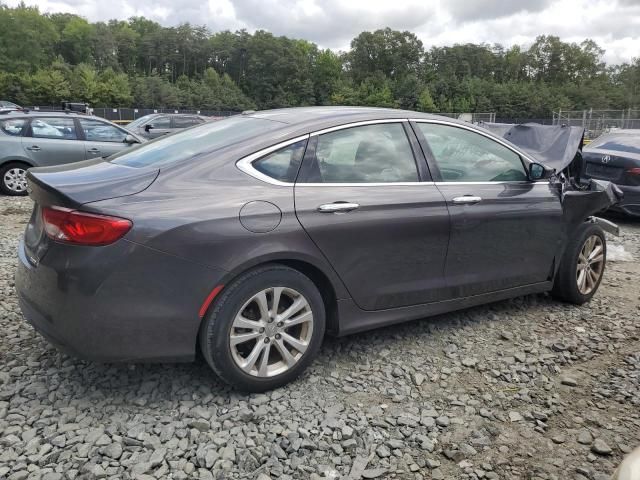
4	103
204	138
139	121
617	142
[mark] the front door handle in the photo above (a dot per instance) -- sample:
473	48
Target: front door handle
337	207
466	200
34	148
93	150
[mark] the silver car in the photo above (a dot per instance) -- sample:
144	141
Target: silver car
40	139
158	124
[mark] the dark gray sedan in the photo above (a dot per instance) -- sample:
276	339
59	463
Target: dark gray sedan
252	237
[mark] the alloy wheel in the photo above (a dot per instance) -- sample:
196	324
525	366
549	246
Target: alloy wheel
271	332
590	264
15	179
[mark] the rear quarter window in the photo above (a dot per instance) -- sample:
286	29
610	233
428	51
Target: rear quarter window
14	126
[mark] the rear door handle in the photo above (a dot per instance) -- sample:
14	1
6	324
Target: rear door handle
466	200
337	207
93	150
34	148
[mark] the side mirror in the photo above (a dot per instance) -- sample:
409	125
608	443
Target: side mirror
538	171
131	139
148	127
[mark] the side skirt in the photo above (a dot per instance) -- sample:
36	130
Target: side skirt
352	319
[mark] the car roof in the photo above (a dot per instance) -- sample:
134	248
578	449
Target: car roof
39	113
301	120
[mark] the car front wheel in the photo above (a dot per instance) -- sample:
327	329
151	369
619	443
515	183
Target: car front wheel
264	329
582	266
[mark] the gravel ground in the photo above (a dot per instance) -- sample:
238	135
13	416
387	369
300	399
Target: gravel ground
524	389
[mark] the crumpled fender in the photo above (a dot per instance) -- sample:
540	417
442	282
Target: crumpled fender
590	198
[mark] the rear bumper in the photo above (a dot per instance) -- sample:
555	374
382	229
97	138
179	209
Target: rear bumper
630	204
123	302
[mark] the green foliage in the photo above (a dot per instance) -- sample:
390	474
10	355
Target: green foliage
52	57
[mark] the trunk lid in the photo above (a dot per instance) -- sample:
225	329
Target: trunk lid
87	181
74	185
611	165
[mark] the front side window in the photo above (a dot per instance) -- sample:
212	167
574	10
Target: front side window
14	127
160	122
60	128
378	153
185	122
97	131
139	121
282	164
466	156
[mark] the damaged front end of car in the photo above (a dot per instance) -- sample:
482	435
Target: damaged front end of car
559	148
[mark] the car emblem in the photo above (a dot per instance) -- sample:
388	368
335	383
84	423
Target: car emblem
606	159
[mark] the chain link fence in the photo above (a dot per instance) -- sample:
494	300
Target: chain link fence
597	121
486	117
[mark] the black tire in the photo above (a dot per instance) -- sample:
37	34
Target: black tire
565	285
4	187
216	327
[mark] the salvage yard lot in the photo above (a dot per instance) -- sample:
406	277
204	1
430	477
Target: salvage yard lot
526	388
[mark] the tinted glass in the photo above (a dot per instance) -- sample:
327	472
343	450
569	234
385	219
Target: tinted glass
161	122
618	143
466	156
203	139
139	121
378	153
15	126
60	128
184	122
97	131
282	164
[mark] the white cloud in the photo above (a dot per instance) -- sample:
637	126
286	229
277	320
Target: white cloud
613	24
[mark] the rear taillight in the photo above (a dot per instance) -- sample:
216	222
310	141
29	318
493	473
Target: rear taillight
634	171
82	228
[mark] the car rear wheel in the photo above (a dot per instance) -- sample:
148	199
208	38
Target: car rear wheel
13	178
264	329
582	266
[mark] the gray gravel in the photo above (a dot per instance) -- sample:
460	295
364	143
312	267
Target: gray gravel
527	388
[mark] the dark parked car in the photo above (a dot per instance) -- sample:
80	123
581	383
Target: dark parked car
251	237
615	156
158	124
38	139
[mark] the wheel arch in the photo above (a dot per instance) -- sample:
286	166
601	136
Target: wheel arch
26	161
329	285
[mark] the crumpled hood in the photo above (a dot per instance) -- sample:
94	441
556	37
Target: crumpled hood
552	145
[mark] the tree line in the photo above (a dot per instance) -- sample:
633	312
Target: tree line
48	58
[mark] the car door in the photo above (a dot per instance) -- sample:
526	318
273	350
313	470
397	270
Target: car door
364	198
53	141
158	126
505	230
101	139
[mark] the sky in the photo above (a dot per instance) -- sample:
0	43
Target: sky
613	24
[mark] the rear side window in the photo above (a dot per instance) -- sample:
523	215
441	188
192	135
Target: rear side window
97	131
282	164
58	128
465	156
14	126
200	140
378	153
